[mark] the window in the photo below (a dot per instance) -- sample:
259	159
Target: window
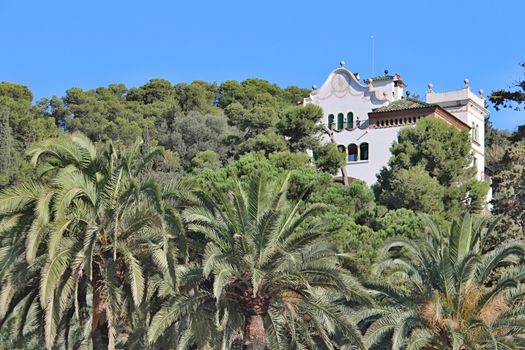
330	121
315	154
350	120
475	132
363	150
352	152
340	121
341	148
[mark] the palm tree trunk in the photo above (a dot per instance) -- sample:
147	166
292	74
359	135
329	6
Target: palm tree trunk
254	333
99	325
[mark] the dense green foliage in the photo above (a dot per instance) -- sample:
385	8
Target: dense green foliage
21	124
86	230
189	216
509	193
267	269
329	158
506	153
431	171
437	292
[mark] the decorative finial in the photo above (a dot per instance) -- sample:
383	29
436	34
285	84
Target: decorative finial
342	63
466	81
407	93
386	71
314	87
357	76
481	93
430	87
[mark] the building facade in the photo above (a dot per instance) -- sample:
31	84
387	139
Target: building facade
364	118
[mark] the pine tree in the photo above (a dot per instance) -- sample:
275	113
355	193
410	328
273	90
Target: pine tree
6	140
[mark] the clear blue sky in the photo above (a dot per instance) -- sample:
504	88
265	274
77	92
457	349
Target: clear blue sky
54	45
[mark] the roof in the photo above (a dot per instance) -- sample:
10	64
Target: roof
409	106
402	105
383	77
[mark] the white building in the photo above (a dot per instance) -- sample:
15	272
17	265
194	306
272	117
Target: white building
364	118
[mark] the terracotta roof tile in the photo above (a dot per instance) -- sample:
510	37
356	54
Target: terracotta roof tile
403	104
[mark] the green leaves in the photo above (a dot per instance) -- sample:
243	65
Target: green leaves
447	295
51	275
99	243
86	230
136	274
329	158
264	256
171	312
430	171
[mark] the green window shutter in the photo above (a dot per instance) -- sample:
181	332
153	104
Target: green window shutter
340	121
350	120
363	151
330	121
314	154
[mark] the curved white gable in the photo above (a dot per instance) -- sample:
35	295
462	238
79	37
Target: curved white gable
341	83
342	92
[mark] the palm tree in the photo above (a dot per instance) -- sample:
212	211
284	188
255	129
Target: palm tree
266	280
448	295
78	242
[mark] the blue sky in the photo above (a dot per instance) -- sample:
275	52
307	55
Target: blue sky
54	45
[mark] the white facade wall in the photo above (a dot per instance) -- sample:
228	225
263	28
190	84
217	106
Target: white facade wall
469	108
379	143
343	93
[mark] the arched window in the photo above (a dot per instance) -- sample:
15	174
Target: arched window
352	152
340	121
341	148
330	121
363	151
477	132
473	132
350	120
